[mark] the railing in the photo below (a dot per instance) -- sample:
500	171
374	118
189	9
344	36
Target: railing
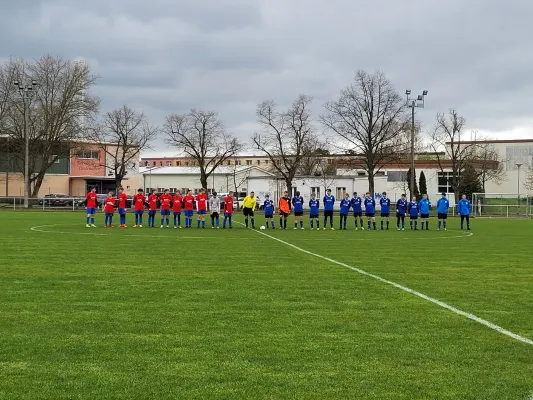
502	205
42	204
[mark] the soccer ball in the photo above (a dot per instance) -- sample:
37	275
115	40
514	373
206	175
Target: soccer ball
262	227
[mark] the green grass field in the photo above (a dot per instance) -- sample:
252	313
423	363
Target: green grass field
207	314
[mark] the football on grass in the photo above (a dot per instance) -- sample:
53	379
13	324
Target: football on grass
262	227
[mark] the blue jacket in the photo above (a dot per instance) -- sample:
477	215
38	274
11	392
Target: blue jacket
356	204
385	205
413	208
442	205
370	205
424	205
401	206
298	203
464	207
329	203
314	206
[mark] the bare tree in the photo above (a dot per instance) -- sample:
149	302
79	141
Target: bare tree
488	164
369	118
122	135
448	136
201	135
285	136
314	154
326	174
529	178
56	113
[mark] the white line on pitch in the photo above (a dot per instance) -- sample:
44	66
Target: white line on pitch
408	290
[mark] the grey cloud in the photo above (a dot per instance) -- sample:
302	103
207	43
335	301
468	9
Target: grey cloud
167	56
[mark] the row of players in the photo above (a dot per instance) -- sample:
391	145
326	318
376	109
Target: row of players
167	203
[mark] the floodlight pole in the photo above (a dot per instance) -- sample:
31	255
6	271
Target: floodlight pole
518	165
26	92
419	102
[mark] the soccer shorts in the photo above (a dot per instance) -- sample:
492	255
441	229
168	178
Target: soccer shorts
425	216
165	212
139	212
413	216
176	213
109	214
283	214
328	213
298	213
313	216
151	213
442	216
202	212
269	216
385	215
248	212
358	214
189	213
214	215
91	211
370	215
228	214
122	211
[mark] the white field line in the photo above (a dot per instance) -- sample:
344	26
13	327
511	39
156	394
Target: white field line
408	290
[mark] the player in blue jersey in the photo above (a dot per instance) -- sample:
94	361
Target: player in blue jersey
464	208
329	204
425	206
384	202
314	210
298	206
357	206
413	213
370	210
268	208
442	210
401	211
344	210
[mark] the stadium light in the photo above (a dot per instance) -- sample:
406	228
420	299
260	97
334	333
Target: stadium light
412	103
26	92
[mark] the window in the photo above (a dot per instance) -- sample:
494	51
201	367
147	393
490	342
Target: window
178	163
146	163
237	162
228	162
89	155
267	162
153	164
397	176
160	163
445	182
258	162
340	192
169	163
54	159
248	162
316	191
361	173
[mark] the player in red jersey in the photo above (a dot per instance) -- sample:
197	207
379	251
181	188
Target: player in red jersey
188	207
166	202
228	210
152	208
91	201
177	203
201	207
109	210
122	206
139	200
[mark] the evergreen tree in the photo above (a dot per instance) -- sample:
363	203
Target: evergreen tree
415	191
423	184
470	182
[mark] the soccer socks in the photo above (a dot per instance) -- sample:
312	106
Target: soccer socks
356	223
374	224
427	225
175	219
285	223
230	221
311	222
92	220
388	223
381	224
439	223
301	224
87	220
272	223
203	223
253	223
368	224
246	221
416	225
295	225
444	224
411	224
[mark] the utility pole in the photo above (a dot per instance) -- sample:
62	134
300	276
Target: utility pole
26	93
419	102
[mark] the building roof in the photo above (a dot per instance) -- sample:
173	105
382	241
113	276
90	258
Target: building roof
222	170
496	141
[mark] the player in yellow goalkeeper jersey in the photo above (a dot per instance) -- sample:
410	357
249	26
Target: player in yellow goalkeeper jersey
248	208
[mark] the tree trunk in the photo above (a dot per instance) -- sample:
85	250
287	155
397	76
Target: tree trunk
203	179
118	183
371	184
37	183
288	183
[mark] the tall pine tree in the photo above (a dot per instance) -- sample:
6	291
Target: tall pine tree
423	184
415	191
470	182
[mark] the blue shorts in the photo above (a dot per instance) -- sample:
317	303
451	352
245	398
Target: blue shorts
313	216
151	213
189	213
139	212
370	214
228	215
176	213
269	216
108	214
202	212
91	211
122	211
165	212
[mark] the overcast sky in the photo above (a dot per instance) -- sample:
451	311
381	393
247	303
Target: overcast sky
166	56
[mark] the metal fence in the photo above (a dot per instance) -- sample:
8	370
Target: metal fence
502	205
43	204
